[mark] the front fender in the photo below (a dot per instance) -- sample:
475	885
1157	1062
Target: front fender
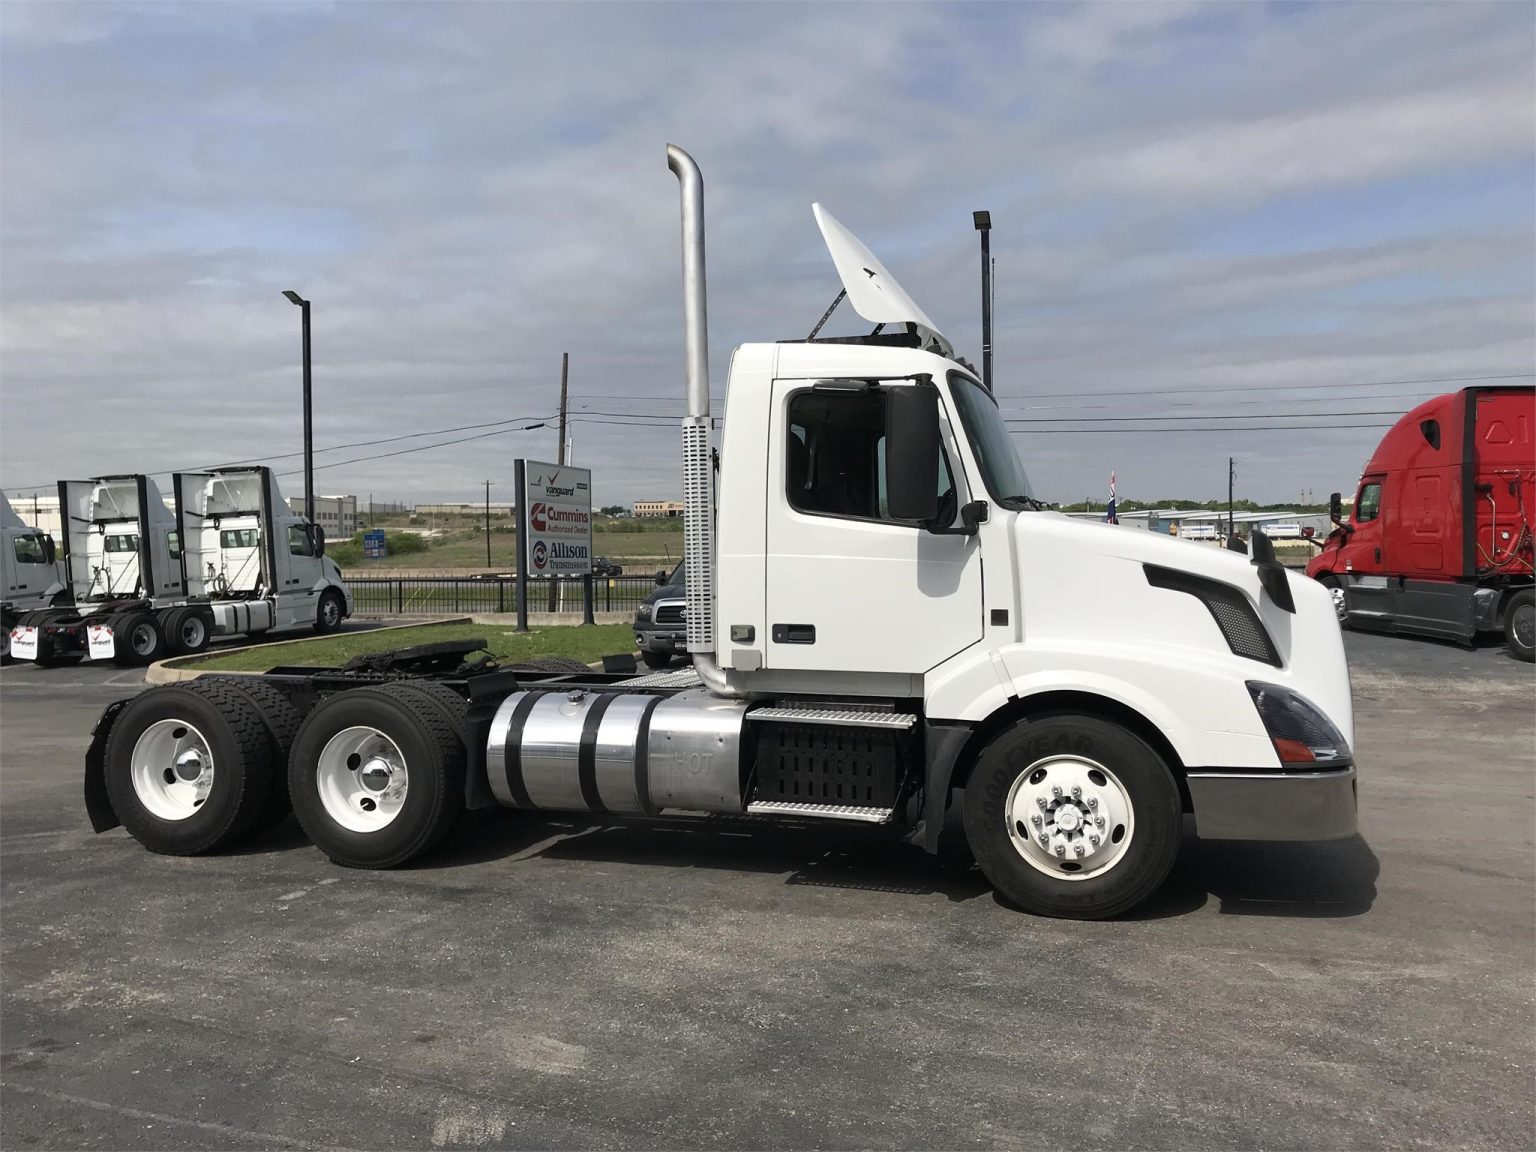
98	805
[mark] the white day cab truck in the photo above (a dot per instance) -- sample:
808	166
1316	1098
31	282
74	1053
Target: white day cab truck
30	570
149	583
882	620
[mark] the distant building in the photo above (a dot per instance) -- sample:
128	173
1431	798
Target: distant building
470	508
38	510
655	508
336	514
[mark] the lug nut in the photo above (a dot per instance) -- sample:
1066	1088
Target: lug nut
1093	801
1056	790
1093	838
1061	849
1044	840
1077	849
1077	792
1098	821
1035	819
1040	800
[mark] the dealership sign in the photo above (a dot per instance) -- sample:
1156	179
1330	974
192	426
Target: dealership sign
555	513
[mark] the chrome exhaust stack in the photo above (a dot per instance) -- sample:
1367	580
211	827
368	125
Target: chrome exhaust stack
698	478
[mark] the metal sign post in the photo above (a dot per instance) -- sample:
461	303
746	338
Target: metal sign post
519	478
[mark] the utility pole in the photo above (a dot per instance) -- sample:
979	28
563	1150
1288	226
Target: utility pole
487	523
565	369
1231	477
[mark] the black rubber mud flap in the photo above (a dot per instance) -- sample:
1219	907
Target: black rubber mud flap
98	806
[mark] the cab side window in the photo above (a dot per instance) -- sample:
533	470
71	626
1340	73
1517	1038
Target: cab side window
173	544
29	550
1368	506
835	463
299	543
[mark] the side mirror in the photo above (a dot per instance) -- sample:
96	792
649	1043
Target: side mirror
1335	507
317	539
912	452
661	577
50	551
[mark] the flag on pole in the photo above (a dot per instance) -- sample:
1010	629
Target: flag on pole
1109	513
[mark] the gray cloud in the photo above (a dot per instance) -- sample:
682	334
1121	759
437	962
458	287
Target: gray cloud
468	190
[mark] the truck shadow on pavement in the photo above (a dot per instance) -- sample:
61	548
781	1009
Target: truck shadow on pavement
1332	879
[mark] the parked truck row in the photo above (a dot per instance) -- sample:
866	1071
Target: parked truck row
882	621
134	581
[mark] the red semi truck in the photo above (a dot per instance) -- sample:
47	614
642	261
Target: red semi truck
1439	542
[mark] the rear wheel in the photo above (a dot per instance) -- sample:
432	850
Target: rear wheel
186	631
1072	816
51	649
1520	625
282	721
376	775
190	767
137	639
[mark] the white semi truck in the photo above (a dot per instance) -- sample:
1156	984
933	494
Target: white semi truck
149	583
29	569
882	623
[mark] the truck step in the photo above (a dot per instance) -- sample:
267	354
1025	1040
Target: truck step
839	717
824	811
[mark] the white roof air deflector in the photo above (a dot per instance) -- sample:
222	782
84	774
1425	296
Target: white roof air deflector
872	290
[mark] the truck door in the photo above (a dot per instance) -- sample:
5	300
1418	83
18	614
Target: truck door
849	589
29	568
299	575
1363	562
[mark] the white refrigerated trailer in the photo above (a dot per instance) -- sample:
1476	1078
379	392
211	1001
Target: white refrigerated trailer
148	583
882	622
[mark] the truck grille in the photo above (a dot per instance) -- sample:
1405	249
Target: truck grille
669	614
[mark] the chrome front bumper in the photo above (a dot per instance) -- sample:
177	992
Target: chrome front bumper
1273	805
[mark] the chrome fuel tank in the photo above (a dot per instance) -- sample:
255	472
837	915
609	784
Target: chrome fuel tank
572	749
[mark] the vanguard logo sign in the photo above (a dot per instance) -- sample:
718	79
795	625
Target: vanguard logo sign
556	512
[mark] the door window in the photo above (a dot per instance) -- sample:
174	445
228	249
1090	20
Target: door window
1368	506
836	456
299	543
237	538
29	550
120	543
173	544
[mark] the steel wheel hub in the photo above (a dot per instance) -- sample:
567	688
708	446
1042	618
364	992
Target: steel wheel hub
172	769
362	779
1069	817
1523	624
143	639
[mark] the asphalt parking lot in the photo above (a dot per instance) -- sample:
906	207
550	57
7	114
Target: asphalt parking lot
563	983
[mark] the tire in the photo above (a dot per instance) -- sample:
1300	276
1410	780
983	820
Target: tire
137	639
1520	624
224	730
329	612
282	721
187	631
1336	590
656	660
403	735
1123	783
5	646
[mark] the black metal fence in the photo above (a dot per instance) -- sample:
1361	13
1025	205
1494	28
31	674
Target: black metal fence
417	595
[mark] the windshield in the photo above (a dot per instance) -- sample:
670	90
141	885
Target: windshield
984	428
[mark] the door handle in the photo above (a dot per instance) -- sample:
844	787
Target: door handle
1378	555
794	633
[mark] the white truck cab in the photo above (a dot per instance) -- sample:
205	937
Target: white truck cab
29	570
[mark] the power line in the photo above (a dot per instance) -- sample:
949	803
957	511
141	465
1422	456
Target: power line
1182	431
418	448
1243	416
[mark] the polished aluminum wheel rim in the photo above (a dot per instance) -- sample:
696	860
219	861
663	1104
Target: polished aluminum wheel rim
362	779
172	769
1070	817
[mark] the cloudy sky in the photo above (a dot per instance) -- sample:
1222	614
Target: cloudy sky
1267	212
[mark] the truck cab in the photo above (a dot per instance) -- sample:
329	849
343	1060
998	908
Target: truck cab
29	571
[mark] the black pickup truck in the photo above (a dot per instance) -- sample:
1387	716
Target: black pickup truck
661	621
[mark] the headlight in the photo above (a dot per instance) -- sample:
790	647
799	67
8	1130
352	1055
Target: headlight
1297	728
643	612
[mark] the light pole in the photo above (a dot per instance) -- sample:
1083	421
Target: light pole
309	438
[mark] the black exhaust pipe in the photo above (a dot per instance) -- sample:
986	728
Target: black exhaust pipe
983	221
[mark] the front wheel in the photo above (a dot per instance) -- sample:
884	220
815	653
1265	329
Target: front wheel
1072	816
1520	625
328	614
1336	591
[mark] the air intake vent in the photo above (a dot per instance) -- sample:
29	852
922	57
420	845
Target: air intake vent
1234	615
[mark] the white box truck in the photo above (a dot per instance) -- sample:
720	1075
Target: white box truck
148	583
882	623
30	571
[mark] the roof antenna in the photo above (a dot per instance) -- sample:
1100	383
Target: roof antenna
983	221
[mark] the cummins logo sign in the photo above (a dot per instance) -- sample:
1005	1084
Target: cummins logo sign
557	519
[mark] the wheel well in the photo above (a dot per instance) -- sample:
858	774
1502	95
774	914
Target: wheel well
1078	703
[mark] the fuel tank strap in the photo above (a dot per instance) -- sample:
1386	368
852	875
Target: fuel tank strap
514	749
643	759
586	753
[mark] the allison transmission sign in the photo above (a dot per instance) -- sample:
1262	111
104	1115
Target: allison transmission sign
555	510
